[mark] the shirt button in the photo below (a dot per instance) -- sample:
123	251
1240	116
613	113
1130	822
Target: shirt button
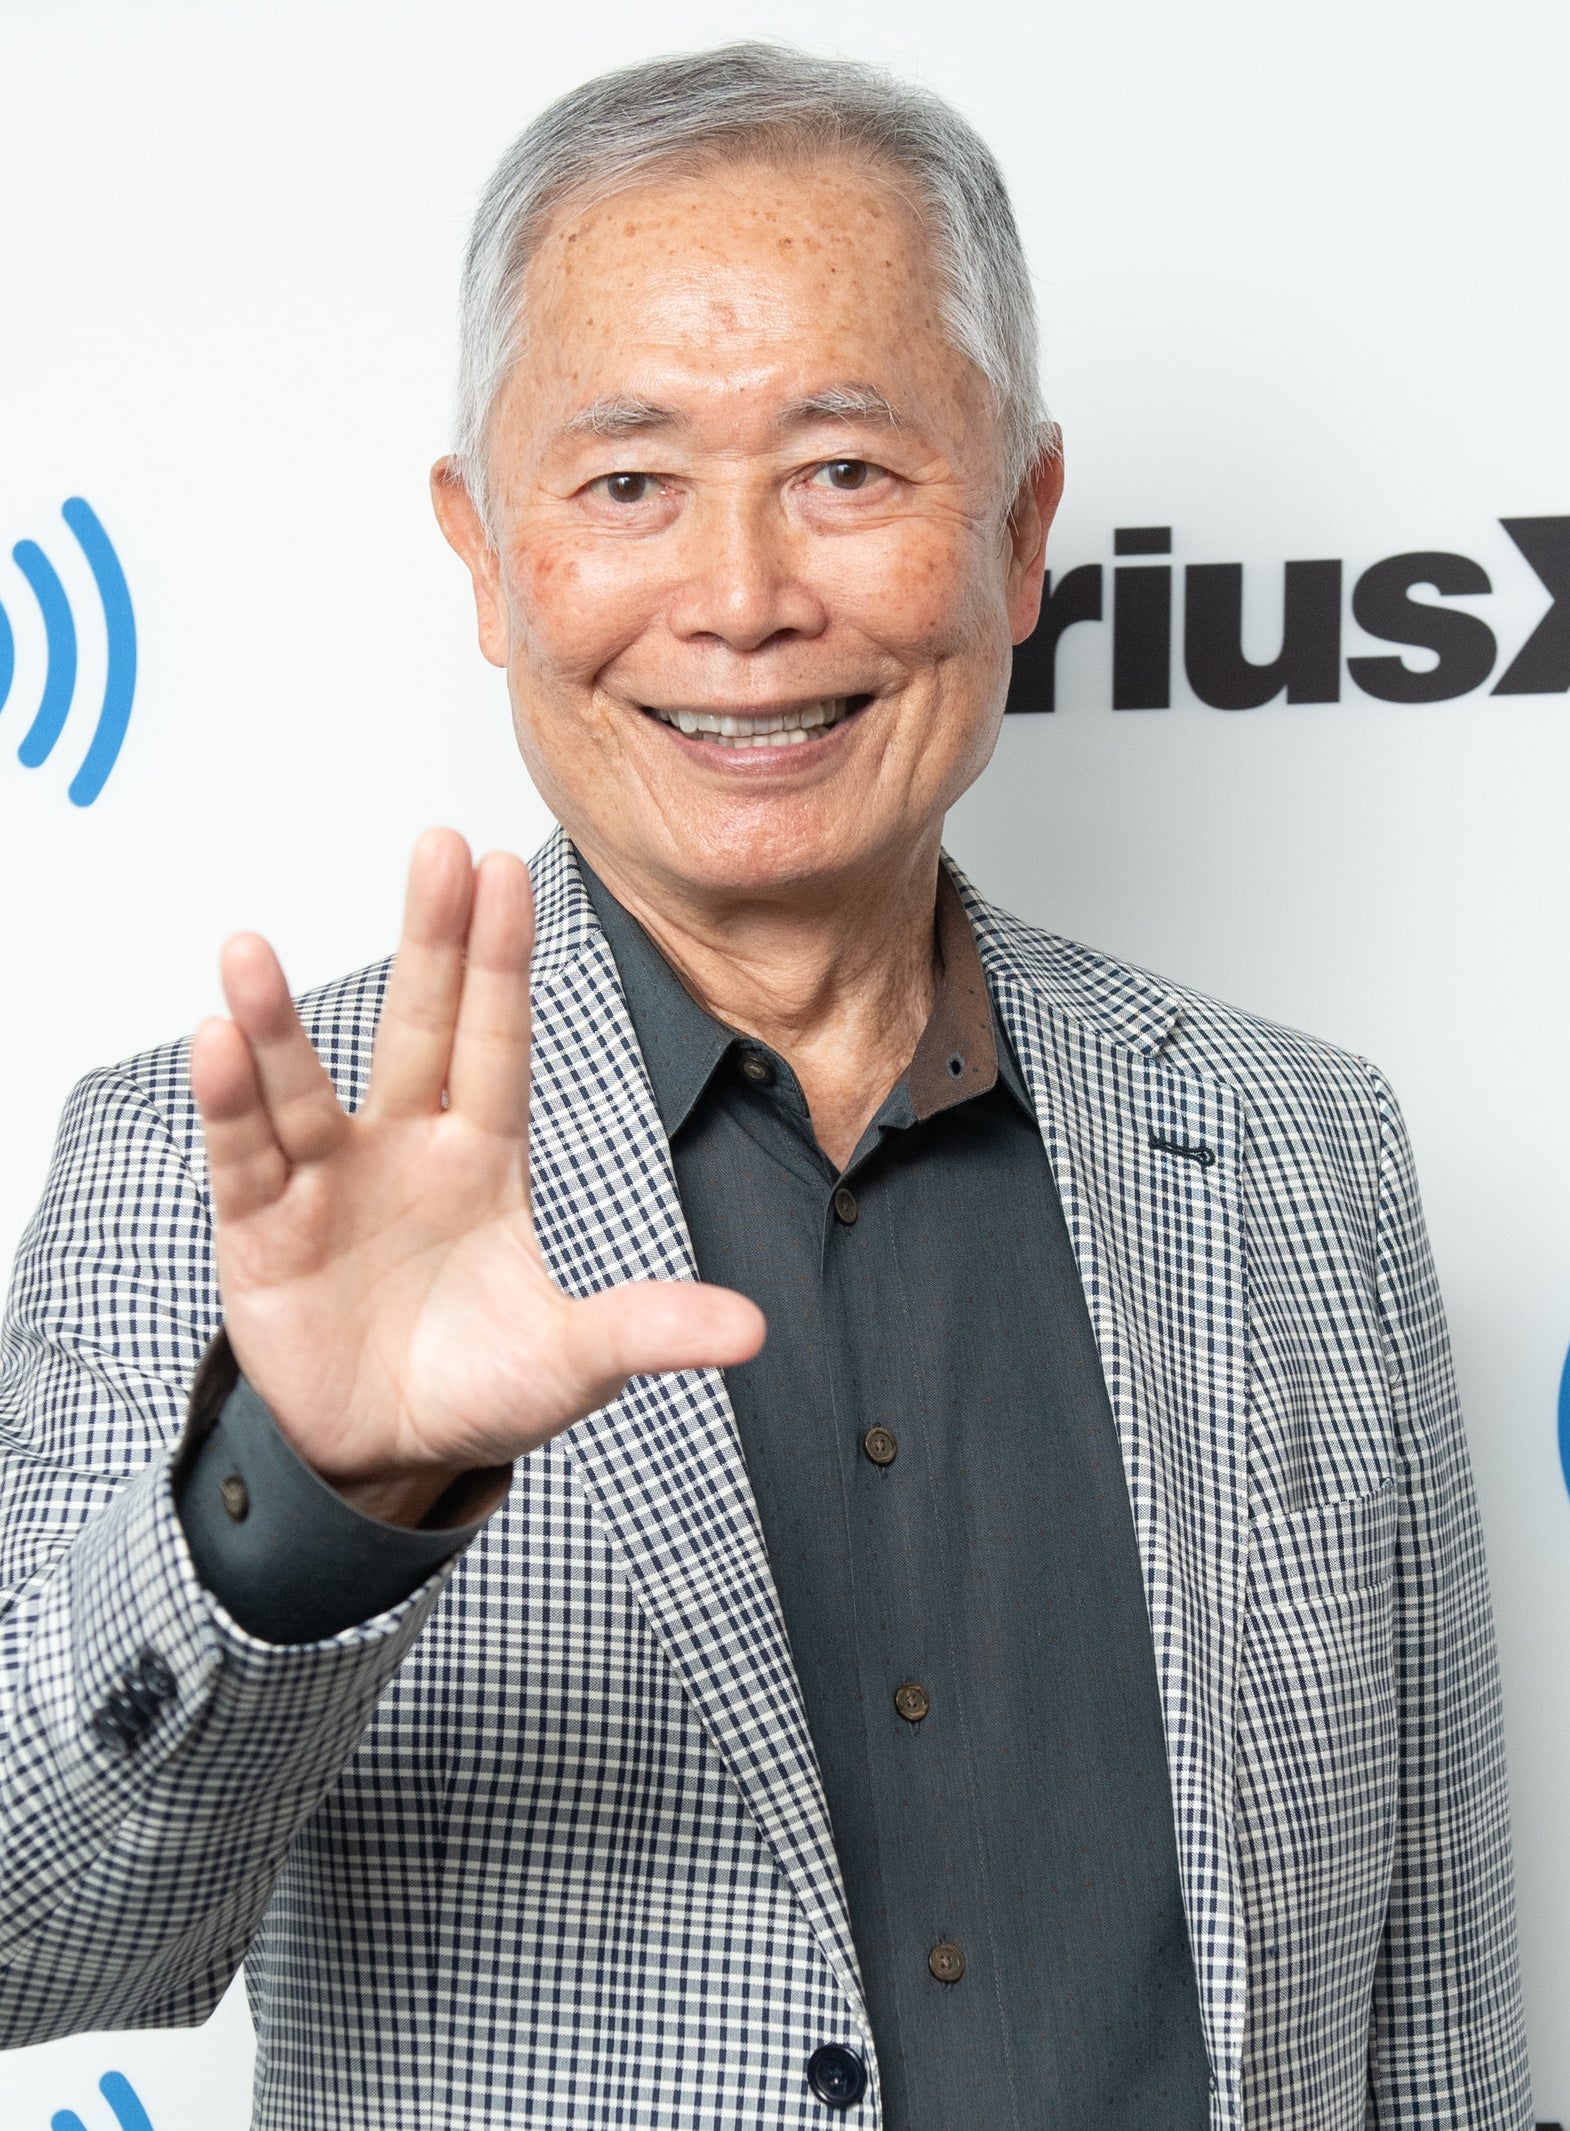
756	1069
880	1446
837	2075
845	1206
912	1702
946	1962
236	1497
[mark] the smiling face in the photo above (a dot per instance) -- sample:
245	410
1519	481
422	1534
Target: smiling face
754	583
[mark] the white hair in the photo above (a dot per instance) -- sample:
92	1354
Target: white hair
744	103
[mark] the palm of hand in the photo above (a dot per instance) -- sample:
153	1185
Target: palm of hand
383	1288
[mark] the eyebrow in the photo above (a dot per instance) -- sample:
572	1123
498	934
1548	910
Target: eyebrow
625	415
619	415
844	403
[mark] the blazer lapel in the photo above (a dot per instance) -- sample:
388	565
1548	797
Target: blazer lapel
663	1466
1146	1162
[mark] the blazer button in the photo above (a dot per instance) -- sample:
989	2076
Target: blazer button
912	1702
946	1962
131	1709
837	2075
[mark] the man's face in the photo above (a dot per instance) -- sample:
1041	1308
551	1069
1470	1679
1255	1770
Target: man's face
740	474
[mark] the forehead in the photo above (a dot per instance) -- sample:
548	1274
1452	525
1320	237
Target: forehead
754	263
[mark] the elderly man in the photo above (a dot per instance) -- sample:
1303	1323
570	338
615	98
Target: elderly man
1043	1680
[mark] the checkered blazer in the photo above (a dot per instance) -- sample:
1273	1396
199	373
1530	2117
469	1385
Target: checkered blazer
546	1845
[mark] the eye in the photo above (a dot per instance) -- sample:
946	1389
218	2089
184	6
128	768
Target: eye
626	488
845	474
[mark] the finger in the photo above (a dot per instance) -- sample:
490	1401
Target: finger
414	1041
651	1326
307	1118
247	1167
488	1076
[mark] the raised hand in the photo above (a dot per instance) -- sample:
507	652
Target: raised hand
382	1287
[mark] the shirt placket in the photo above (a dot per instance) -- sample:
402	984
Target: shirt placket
936	1946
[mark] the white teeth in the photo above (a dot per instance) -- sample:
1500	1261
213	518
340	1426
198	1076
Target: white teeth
776	728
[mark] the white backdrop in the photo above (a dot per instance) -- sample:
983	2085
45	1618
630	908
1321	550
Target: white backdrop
1302	275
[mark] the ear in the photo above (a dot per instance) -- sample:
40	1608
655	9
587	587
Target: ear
467	536
1029	523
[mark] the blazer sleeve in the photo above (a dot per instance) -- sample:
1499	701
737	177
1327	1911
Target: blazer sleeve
1447	2041
155	1760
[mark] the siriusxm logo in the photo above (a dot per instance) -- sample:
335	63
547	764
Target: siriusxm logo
121	2096
1460	647
59	685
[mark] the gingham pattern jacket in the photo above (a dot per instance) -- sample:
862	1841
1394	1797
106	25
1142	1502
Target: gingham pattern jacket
546	1845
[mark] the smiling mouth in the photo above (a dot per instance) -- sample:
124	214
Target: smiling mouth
775	728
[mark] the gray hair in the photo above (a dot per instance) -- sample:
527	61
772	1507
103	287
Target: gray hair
741	103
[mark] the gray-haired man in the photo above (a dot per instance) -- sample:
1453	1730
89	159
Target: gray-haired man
1049	1682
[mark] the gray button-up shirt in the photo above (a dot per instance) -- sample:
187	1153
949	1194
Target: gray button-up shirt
937	1474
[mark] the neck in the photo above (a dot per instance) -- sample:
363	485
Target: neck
837	977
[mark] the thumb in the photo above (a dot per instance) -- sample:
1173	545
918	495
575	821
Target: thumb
651	1326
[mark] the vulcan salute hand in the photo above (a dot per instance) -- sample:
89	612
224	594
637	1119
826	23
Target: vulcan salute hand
382	1286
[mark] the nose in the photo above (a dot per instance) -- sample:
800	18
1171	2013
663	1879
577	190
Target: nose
741	581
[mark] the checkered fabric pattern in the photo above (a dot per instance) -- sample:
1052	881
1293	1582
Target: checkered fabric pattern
546	1845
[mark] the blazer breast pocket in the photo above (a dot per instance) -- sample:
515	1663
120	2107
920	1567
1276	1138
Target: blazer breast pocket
1318	1733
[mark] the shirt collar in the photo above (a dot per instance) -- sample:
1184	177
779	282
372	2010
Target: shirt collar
962	1051
681	1044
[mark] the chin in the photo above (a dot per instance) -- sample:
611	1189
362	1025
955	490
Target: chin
750	853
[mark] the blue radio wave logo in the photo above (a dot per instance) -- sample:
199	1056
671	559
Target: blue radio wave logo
38	741
121	2096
